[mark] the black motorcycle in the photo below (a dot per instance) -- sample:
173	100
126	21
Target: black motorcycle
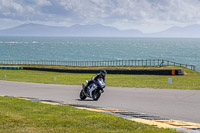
94	90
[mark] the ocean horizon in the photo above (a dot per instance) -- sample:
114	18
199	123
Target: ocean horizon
181	50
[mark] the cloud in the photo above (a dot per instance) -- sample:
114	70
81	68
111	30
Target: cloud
44	3
9	7
120	13
135	11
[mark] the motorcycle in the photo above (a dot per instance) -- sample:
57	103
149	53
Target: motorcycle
94	90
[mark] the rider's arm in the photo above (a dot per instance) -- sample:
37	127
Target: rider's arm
95	77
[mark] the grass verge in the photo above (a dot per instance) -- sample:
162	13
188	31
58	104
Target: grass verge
31	117
190	81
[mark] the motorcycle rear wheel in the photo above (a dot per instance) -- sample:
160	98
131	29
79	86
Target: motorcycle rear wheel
82	95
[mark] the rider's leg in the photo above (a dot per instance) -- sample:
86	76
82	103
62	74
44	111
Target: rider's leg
89	83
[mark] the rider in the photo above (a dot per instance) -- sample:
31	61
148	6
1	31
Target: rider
101	74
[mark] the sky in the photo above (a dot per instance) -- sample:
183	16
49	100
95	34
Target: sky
145	15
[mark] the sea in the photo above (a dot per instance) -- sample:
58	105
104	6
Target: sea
181	50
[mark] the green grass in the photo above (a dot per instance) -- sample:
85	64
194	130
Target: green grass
22	116
191	79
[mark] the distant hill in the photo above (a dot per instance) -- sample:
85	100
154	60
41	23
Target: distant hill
96	30
187	31
33	30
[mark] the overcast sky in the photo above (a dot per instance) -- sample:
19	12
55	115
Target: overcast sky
144	15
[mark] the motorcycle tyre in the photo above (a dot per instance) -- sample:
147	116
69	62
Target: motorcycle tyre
82	95
96	95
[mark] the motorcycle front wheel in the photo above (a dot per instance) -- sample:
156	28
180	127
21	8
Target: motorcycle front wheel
96	95
82	95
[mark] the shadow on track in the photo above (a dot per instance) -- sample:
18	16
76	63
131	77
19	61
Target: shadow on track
84	100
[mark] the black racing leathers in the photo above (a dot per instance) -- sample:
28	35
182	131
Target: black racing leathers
94	79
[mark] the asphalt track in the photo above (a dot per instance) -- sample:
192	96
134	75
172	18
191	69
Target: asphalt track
172	104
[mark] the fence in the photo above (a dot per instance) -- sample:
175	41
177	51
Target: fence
149	62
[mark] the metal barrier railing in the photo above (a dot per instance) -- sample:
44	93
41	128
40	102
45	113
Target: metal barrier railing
148	62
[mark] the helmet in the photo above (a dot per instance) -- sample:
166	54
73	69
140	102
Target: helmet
103	72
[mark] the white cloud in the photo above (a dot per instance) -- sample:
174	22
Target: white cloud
121	13
9	7
43	3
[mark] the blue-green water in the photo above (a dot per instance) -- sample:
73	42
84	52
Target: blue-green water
87	49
